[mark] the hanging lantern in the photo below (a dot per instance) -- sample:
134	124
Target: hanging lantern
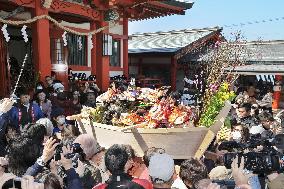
111	15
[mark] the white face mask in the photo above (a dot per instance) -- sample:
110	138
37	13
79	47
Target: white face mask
237	136
61	121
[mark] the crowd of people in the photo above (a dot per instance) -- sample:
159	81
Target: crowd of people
40	148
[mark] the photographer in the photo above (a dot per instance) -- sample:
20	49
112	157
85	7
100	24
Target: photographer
271	126
73	181
244	116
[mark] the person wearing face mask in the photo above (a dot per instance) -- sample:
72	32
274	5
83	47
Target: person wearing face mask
240	133
24	112
58	120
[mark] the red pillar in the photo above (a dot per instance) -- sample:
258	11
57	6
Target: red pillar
277	92
94	51
102	64
173	72
125	48
41	43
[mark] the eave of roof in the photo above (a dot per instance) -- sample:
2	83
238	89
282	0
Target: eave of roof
171	42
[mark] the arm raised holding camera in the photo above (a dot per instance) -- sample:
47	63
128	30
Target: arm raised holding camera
243	179
73	180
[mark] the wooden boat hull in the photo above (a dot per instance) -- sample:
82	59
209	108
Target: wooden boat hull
180	143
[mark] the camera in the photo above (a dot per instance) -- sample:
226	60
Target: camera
76	154
229	184
263	162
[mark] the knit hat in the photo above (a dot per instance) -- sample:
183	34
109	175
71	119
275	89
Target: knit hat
161	168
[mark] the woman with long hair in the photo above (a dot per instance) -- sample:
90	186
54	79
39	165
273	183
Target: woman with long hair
44	104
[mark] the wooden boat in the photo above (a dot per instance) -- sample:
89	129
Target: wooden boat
180	143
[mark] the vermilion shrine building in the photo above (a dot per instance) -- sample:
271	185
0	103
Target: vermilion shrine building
46	50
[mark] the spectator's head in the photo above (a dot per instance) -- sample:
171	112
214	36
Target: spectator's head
116	158
76	95
192	171
240	133
162	170
220	173
244	110
58	117
41	96
266	119
150	152
48	80
52	182
251	89
70	131
35	132
24	96
90	146
47	124
91	95
22	153
58	87
131	155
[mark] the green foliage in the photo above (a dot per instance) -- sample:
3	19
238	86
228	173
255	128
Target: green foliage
216	103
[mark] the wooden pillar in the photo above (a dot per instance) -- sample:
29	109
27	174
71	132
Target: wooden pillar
102	64
125	48
173	72
140	62
277	92
41	43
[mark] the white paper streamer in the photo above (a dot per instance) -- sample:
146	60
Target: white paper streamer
64	38
90	42
80	43
5	32
24	33
19	77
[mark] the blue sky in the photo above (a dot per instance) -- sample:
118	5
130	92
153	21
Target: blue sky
210	13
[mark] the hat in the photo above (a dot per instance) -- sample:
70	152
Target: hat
57	86
161	168
55	112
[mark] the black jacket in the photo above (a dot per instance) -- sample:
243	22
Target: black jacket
3	128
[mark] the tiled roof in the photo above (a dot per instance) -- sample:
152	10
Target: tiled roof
170	42
266	51
258	69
